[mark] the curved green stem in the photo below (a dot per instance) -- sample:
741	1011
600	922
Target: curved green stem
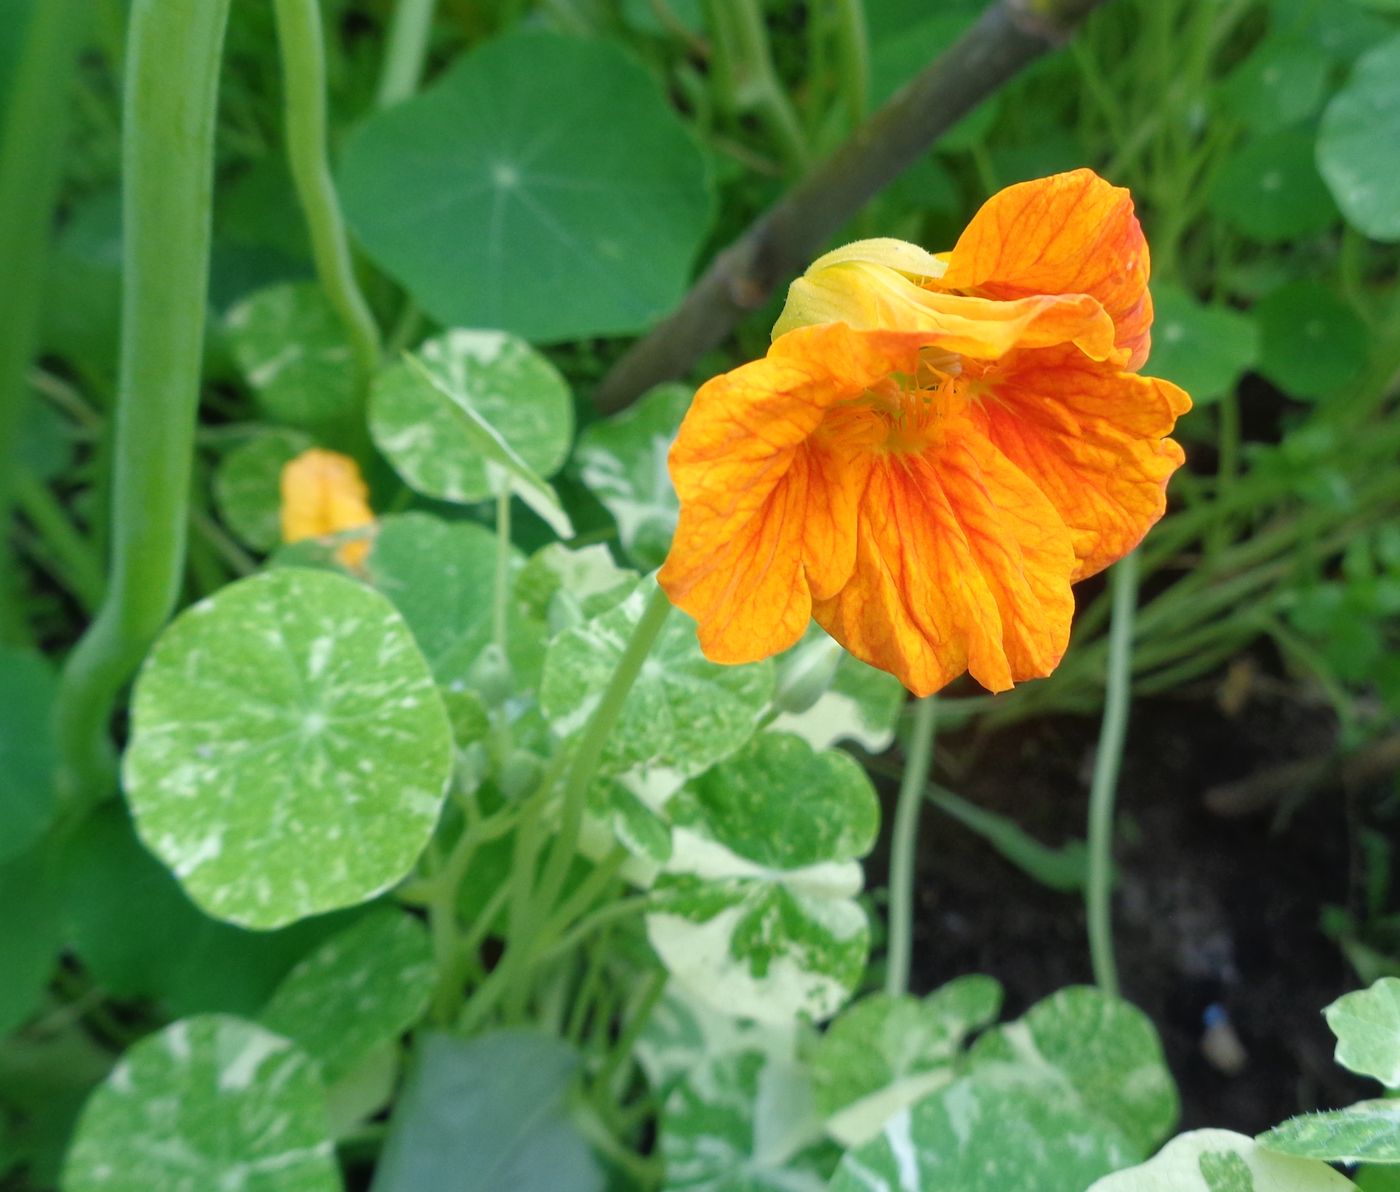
405	51
529	914
500	618
744	72
31	134
904	845
170	92
590	747
853	39
1117	696
303	50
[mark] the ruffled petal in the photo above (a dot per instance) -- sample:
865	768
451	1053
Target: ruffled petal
1067	234
869	296
768	514
1093	440
961	564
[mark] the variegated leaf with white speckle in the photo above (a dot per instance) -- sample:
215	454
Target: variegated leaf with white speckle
1103	1051
744	1122
209	1103
440	576
248	485
360	989
289	751
1367	1132
1367	1026
291	347
623	462
682	1031
853	701
884	1053
758	914
502	381
1222	1161
565	587
995	1130
683	713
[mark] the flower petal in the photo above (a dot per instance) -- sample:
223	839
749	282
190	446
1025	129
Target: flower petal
322	493
1093	440
961	564
1067	234
870	296
767	516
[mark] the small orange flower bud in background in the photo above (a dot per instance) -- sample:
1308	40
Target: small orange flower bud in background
324	493
934	448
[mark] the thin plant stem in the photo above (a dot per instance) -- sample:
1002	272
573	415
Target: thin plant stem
595	737
405	51
609	912
302	44
170	94
744	73
1118	694
904	845
529	912
501	595
82	569
853	41
31	136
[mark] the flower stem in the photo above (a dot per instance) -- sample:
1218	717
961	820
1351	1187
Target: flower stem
529	914
744	71
31	134
171	87
405	51
302	44
501	594
590	747
904	844
1117	696
854	42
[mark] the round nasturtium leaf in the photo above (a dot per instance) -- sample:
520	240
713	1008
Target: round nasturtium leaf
1282	82
154	943
496	205
359	990
248	485
683	1032
1102	1051
1358	150
31	932
1367	1026
623	462
1204	349
827	695
683	713
987	1132
503	380
757	911
1311	343
745	1122
291	348
884	1053
28	687
289	750
1222	1161
441	576
1367	1132
212	1102
1271	191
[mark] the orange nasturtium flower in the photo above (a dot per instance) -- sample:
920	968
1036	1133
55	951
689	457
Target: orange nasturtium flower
934	447
323	493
